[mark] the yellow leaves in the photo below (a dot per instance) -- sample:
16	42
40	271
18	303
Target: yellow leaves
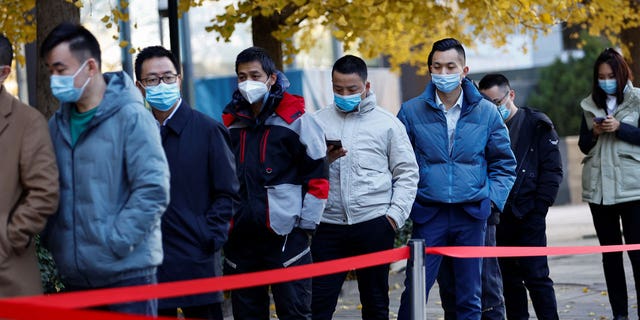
123	44
18	24
230	10
546	18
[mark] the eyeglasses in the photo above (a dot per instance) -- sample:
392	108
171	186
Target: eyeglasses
497	101
153	81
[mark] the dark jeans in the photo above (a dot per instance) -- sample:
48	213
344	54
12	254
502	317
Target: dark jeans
333	241
451	226
606	220
147	307
492	299
523	274
264	251
210	312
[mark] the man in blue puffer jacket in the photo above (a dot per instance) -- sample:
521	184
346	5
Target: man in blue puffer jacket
466	168
114	177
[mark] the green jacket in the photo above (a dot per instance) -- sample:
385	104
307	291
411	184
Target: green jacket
611	167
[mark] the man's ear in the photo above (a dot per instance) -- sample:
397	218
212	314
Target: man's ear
141	88
4	73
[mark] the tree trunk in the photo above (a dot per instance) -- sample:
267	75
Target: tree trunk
49	13
631	38
261	29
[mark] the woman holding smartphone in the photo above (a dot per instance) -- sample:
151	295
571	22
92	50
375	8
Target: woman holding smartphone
610	139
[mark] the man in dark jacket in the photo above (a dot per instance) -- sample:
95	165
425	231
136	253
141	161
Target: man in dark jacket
203	185
534	142
280	155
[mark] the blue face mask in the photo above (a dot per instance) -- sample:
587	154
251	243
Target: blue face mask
347	103
446	82
609	86
63	87
504	112
163	96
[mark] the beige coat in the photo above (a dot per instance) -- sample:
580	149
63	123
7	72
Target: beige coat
28	193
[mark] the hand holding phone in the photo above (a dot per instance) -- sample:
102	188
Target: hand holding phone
336	143
599	120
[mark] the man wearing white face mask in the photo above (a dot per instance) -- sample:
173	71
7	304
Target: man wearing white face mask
466	168
114	178
280	156
373	186
204	185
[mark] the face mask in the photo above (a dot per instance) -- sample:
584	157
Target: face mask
609	86
253	91
504	112
446	82
163	96
347	103
63	88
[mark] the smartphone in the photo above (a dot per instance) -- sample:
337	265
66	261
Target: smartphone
598	120
336	143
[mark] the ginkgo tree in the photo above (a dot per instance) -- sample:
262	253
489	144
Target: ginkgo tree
401	30
405	30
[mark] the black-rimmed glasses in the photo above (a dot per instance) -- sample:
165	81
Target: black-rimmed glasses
153	81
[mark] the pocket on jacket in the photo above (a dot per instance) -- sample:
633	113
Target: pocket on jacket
373	184
629	175
284	204
589	163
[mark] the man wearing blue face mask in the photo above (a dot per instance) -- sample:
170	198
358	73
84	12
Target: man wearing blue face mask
204	186
114	178
373	186
466	168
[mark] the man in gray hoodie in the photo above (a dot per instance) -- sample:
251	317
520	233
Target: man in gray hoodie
114	177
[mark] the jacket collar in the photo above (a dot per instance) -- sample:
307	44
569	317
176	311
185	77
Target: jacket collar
180	118
6	107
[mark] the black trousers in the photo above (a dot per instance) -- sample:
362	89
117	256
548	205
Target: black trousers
523	274
264	250
607	221
333	241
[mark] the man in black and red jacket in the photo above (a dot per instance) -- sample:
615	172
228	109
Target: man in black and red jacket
280	156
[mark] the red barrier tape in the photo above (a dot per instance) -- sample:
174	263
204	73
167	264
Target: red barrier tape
50	306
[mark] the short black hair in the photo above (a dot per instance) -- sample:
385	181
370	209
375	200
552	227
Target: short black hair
350	64
6	51
154	52
493	79
82	43
444	45
257	54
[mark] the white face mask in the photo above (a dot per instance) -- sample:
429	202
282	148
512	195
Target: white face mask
253	90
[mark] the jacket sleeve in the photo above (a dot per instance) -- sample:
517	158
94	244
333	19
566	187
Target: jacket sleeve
586	141
549	169
39	179
224	186
314	172
405	176
148	175
501	163
629	133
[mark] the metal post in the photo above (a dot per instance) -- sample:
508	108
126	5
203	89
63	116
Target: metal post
125	35
418	289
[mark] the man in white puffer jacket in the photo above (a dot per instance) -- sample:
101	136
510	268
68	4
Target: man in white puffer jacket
372	186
